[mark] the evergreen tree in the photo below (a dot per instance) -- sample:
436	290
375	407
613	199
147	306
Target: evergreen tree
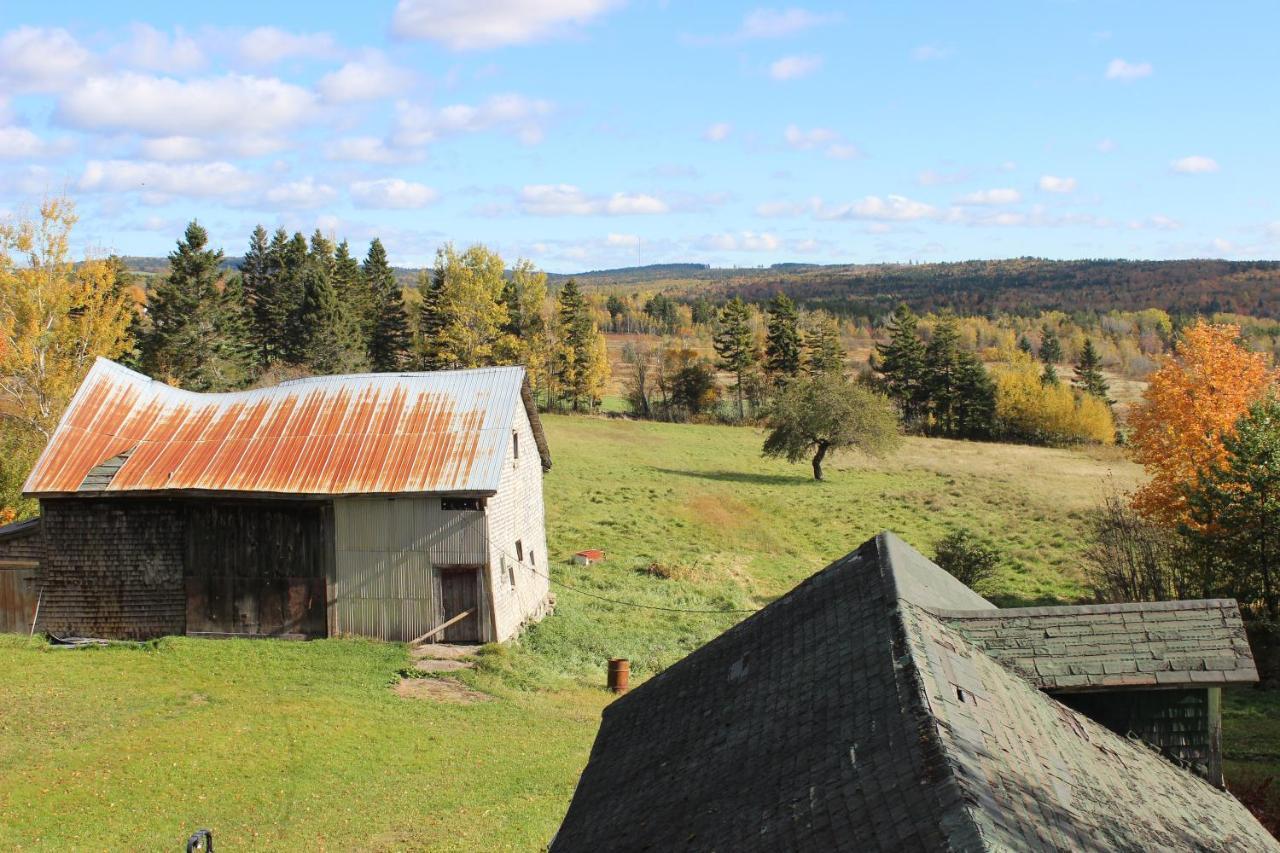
196	339
1050	375
463	314
901	364
736	345
332	343
1050	346
823	351
256	282
1025	345
348	283
943	365
782	341
976	403
1089	378
526	333
581	362
276	300
431	319
389	337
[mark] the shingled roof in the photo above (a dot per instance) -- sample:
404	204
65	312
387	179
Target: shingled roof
1149	644
847	716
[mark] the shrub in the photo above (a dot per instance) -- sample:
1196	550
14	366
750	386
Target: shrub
1029	410
966	557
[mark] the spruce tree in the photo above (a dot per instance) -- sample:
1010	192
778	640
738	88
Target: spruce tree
431	319
823	351
976	404
390	339
256	283
943	363
332	344
1025	345
196	339
1089	378
348	283
782	342
1049	377
277	302
735	345
901	364
581	363
1050	346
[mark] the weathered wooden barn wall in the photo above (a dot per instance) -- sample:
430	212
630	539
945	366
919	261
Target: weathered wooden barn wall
1185	723
135	568
21	547
389	559
516	515
113	568
257	568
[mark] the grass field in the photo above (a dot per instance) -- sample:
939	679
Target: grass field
292	745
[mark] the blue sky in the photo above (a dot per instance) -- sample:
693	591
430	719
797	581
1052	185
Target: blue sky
589	133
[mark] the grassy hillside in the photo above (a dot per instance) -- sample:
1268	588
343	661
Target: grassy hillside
293	745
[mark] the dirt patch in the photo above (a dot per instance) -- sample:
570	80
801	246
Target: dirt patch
439	690
442	651
432	665
720	512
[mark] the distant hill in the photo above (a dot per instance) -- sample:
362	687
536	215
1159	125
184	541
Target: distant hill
1017	285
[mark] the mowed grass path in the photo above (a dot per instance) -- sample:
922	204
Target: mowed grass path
281	745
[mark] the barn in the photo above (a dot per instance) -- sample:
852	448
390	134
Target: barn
380	505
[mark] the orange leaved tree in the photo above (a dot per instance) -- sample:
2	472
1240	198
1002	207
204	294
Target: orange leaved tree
1193	399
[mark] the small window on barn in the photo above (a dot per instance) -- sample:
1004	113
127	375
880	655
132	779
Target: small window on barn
519	550
460	504
515	444
511	574
532	561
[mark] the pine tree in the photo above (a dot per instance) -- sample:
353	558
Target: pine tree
332	341
276	300
196	338
581	364
901	364
943	363
976	404
1049	377
349	284
823	351
1050	346
1025	345
256	282
389	338
782	341
1089	378
735	345
431	319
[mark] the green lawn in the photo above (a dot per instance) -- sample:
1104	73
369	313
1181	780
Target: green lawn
291	745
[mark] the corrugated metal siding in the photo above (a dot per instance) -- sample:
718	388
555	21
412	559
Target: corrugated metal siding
387	583
341	435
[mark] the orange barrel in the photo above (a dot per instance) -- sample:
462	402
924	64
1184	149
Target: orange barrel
619	674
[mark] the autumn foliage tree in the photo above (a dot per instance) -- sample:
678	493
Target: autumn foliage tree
56	317
1190	403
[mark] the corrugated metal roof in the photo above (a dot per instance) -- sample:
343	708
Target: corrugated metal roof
387	433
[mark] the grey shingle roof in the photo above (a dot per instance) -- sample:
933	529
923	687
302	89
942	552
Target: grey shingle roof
845	717
1167	643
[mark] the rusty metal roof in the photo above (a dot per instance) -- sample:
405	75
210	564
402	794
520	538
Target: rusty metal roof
389	433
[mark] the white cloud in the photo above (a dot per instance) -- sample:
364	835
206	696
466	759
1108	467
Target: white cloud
995	196
155	50
175	148
832	144
366	79
624	240
392	193
892	208
163	106
1106	146
742	241
179	149
931	178
1195	165
267	45
780	208
1119	69
776	23
35	59
369	149
161	180
717	132
303	194
1157	222
478	24
1225	247
794	67
1055	184
929	53
569	200
21	143
417	125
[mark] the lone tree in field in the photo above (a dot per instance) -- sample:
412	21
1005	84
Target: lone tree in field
1089	378
825	413
736	345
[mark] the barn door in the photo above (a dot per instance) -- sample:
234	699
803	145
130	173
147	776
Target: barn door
18	595
459	590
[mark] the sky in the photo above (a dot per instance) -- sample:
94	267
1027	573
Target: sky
590	134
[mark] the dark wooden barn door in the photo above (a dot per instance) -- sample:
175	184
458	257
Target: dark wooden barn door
18	595
460	592
256	568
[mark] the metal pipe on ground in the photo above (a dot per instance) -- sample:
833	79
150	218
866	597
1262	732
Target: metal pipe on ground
619	674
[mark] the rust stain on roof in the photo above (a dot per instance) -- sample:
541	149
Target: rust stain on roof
370	434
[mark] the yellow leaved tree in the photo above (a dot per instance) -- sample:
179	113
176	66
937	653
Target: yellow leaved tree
56	317
1189	403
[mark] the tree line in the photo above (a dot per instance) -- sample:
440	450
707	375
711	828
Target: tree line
299	306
